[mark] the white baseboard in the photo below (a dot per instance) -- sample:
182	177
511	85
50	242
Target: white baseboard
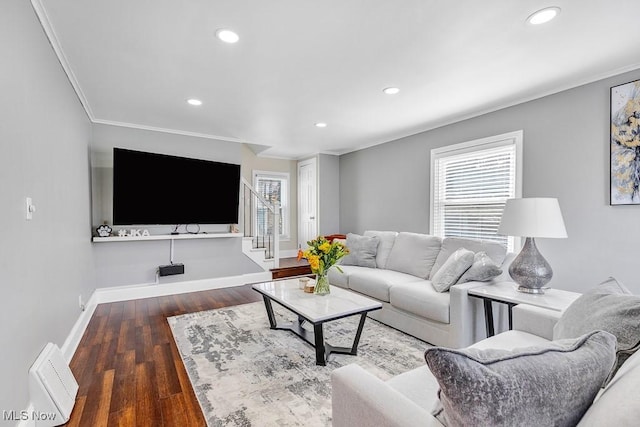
129	292
77	331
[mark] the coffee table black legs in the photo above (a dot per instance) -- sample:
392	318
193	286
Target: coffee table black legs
270	315
324	350
321	355
315	338
353	350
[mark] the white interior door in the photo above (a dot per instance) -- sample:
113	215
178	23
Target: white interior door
307	202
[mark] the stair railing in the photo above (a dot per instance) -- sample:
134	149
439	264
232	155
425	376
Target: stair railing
261	222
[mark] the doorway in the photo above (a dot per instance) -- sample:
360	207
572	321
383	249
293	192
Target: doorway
307	201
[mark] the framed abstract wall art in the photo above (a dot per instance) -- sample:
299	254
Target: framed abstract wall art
625	144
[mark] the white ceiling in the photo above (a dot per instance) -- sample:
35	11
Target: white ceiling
298	62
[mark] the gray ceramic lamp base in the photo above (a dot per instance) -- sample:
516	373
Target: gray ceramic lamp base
530	270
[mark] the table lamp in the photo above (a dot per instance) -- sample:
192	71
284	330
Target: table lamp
531	218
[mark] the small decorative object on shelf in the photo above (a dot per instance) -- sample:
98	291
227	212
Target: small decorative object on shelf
134	232
104	230
321	256
233	228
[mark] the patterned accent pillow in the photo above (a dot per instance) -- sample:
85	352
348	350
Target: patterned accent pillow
608	307
455	266
551	384
362	251
482	270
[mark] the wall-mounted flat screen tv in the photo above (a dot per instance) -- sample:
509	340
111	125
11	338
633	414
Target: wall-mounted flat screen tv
151	188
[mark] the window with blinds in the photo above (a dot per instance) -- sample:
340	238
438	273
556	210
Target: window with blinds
470	185
273	187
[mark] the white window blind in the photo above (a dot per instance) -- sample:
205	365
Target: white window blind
470	185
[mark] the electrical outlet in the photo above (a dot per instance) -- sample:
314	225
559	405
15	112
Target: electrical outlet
81	303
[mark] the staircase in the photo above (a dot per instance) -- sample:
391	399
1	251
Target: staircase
260	225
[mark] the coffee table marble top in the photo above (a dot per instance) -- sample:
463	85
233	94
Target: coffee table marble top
316	308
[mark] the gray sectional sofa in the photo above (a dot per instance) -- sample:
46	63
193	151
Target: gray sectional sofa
399	273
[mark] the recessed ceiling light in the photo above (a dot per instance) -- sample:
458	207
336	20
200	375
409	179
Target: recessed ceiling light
391	90
543	16
227	36
193	101
321	125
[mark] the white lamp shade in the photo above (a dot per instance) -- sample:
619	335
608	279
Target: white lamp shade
532	217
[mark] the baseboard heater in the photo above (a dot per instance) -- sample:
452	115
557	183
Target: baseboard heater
52	388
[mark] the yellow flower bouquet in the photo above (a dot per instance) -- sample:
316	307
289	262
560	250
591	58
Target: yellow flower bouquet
321	255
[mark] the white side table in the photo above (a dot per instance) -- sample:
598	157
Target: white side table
507	293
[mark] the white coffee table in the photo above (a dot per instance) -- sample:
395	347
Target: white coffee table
316	310
507	293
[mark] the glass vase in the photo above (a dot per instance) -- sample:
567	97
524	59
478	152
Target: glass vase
322	284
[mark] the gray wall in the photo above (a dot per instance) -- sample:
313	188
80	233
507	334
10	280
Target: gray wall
46	263
131	263
328	194
566	155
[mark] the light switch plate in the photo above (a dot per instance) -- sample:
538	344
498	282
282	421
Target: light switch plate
30	208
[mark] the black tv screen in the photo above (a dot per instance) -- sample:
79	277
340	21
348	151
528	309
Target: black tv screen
153	188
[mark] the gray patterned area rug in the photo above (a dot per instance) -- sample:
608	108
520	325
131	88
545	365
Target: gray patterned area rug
246	374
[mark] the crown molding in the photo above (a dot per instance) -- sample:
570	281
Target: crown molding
442	123
41	12
167	130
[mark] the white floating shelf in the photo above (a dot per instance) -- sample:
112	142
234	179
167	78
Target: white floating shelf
165	237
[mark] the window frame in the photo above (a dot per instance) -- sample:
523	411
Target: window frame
284	204
514	138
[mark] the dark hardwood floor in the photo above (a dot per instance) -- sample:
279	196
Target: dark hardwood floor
128	366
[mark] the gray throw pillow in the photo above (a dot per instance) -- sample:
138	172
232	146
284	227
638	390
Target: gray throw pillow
552	384
384	247
452	269
362	251
483	269
608	307
494	250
